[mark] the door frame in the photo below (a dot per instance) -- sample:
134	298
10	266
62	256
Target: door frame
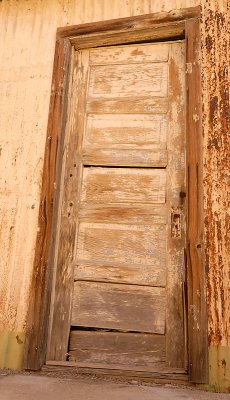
173	25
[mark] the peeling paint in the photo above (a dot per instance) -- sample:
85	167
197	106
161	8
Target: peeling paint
215	82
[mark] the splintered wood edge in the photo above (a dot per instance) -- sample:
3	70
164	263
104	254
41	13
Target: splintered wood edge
70	364
196	312
68	226
130	23
41	282
155	33
158	376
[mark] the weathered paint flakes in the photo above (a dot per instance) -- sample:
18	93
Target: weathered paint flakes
215	81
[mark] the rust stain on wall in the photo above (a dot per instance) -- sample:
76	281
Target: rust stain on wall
215	83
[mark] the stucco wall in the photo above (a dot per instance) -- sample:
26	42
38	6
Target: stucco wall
27	37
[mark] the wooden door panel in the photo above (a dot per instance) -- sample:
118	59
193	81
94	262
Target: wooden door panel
125	131
125	140
127	263
130	54
117	350
131	274
129	185
138	104
118	244
109	81
146	214
121	307
125	157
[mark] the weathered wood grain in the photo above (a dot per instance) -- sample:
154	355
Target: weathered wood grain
128	185
60	175
119	266
134	254
103	247
125	140
197	312
37	323
126	131
165	31
125	157
141	105
122	307
117	350
175	338
68	223
128	80
132	23
151	275
130	54
123	213
157	375
119	244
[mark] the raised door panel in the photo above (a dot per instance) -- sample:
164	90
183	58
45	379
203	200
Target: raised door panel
140	53
121	244
128	80
136	254
128	185
125	140
119	307
143	214
116	273
134	105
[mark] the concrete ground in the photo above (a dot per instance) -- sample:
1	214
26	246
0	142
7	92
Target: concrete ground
33	387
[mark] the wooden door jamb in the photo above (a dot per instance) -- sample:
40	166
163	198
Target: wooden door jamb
176	24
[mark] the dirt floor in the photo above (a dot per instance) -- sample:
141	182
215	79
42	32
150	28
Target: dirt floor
33	387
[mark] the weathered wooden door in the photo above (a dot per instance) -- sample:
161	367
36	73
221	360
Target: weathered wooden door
127	301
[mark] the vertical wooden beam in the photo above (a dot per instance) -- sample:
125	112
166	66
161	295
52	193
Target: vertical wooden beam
37	320
197	313
65	238
175	332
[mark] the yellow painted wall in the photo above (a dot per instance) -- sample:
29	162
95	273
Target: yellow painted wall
27	39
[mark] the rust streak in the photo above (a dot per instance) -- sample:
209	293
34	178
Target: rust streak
215	81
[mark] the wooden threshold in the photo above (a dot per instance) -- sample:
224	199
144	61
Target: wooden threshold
161	376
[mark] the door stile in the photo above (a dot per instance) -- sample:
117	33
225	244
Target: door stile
61	319
59	184
175	332
197	310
